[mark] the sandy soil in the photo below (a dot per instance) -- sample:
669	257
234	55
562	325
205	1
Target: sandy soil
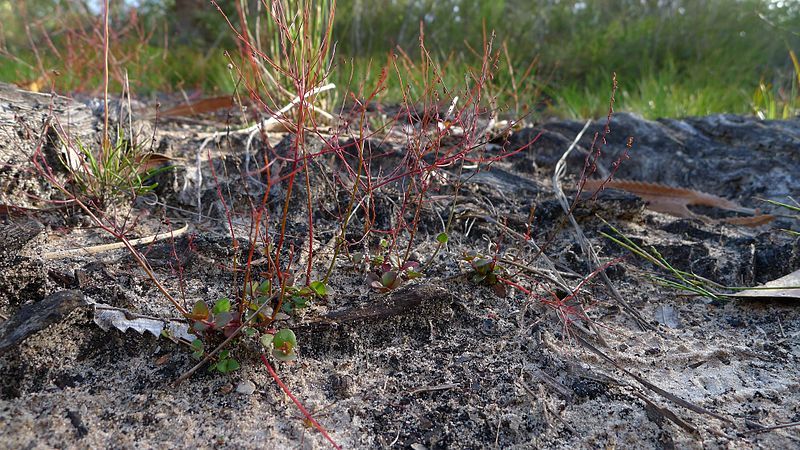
459	366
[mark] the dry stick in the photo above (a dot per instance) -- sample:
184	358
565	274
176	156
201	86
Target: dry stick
586	247
668	414
772	428
305	412
113	246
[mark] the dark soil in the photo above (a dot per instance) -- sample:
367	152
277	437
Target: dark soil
442	362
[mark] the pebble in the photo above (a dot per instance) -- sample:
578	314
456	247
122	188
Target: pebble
246	387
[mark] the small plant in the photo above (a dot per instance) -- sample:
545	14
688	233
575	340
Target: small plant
207	324
387	273
218	318
294	298
298	298
282	344
390	275
114	175
225	363
486	271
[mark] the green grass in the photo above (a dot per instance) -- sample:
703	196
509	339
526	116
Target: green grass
698	58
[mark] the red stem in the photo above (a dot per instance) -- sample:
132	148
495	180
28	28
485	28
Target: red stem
297	402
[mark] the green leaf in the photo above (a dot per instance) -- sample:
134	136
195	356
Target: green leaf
198	347
233	365
199	310
299	302
442	238
305	291
227	365
319	288
411	274
266	340
249	331
284	356
264	287
388	278
222	319
224	354
222	305
283	345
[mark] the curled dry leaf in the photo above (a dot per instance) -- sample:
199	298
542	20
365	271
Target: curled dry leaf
787	287
675	201
106	317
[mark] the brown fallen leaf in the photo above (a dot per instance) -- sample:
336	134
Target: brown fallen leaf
675	201
199	107
152	161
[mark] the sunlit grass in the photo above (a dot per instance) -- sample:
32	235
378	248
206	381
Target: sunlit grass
695	58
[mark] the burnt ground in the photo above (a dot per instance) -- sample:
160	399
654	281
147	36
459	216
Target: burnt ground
442	362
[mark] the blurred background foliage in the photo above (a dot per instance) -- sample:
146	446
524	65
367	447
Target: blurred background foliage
672	57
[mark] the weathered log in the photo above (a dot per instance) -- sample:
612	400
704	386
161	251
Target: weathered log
26	121
24	116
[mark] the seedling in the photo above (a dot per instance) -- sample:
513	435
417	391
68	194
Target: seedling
225	363
390	275
282	344
219	318
115	174
294	298
486	271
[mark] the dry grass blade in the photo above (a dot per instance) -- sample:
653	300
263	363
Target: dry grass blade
773	428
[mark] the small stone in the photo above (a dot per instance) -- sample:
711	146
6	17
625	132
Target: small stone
246	387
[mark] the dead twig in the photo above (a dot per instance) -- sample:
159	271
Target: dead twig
771	428
115	245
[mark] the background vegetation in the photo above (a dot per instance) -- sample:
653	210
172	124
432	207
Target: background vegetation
672	57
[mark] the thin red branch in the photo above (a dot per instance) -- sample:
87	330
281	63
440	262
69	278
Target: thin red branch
302	409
